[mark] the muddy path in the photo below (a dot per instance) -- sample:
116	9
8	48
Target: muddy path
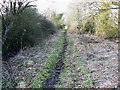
51	81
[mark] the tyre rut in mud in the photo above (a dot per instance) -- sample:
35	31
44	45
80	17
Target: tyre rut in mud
54	78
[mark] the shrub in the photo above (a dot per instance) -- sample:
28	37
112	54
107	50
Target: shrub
89	26
55	18
107	25
28	28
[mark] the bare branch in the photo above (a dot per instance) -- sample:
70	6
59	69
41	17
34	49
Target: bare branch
109	9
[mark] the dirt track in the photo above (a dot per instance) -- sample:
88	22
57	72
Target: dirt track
51	81
98	55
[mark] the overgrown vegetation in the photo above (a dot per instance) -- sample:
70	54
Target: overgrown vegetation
26	28
96	18
107	25
23	26
55	18
51	62
89	26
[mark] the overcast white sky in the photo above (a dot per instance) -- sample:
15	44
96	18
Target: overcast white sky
59	6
